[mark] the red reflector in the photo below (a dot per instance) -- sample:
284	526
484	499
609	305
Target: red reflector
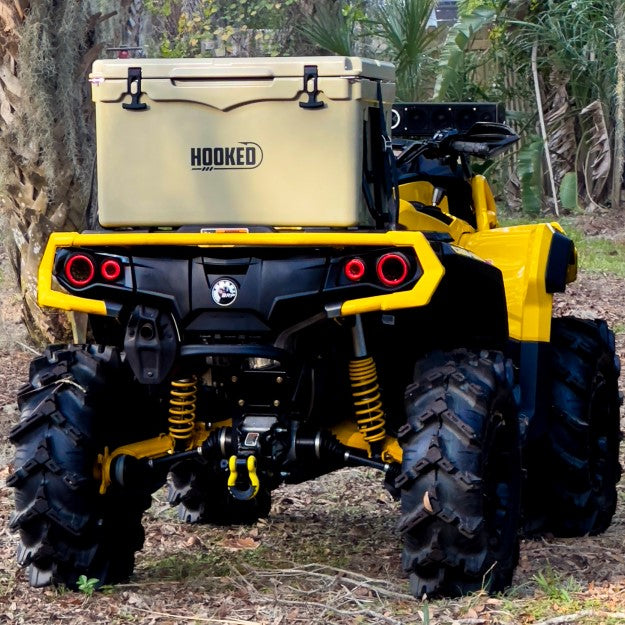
79	270
354	269
392	269
110	270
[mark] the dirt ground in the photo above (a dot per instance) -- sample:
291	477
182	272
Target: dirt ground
329	553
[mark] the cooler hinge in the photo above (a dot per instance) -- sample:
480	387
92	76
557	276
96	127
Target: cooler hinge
311	75
134	91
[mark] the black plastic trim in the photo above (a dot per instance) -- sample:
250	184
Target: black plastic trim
533	359
257	351
561	255
432	211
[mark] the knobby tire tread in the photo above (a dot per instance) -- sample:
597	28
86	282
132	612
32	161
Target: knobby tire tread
461	447
68	414
573	481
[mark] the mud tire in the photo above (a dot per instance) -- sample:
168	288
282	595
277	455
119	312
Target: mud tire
201	494
69	411
461	478
572	483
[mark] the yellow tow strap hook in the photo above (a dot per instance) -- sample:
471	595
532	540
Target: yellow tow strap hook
247	468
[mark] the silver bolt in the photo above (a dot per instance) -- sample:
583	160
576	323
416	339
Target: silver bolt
279	380
276	402
241	402
234	379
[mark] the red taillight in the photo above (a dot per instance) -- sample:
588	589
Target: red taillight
354	269
111	270
79	270
392	269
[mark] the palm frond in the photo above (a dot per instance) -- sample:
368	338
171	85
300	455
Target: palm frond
330	29
529	169
596	143
452	63
404	26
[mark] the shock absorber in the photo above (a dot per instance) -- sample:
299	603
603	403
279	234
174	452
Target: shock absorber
182	403
366	394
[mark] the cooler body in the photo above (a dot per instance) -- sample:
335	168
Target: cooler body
254	141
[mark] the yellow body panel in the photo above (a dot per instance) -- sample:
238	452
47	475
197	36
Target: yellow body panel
46	296
521	253
421	191
483	203
420	295
412	219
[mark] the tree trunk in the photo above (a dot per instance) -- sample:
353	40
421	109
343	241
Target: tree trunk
46	135
134	23
619	134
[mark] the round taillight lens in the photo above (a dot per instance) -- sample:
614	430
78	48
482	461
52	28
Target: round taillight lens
354	269
111	270
392	269
79	270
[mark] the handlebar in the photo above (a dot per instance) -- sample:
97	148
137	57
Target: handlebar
470	147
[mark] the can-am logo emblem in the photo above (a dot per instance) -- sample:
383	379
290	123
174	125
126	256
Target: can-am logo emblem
243	155
224	292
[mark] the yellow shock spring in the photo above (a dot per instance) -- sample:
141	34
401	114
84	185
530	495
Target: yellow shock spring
367	399
182	403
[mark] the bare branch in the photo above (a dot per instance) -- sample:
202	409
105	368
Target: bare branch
571	618
192	617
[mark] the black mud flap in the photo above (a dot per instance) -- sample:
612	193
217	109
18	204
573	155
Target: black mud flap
151	344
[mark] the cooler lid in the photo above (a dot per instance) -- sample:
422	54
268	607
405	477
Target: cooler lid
244	68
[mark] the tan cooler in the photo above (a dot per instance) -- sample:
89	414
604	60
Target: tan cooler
239	141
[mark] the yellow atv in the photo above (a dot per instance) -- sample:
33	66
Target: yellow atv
274	294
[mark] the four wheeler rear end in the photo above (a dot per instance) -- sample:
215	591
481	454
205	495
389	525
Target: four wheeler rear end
271	297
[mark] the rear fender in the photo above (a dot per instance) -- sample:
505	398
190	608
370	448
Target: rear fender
535	261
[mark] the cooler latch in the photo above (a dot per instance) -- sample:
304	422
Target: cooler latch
134	91
310	88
